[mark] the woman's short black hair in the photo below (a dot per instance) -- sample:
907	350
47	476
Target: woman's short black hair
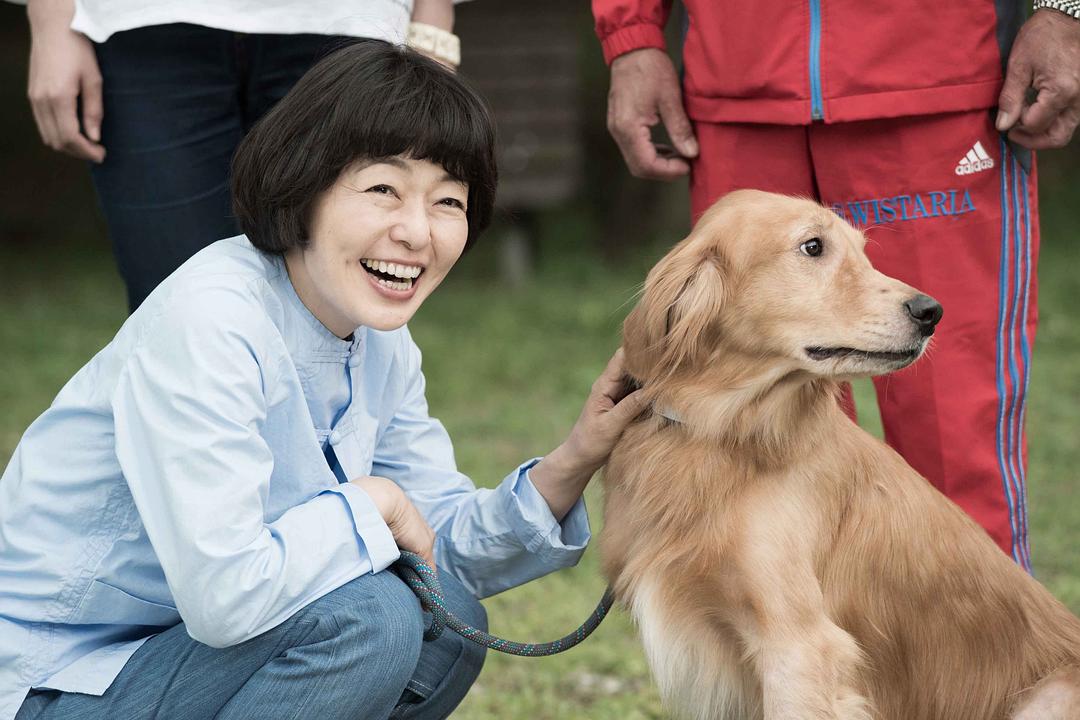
366	101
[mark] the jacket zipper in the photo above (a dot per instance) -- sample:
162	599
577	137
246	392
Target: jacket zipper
816	105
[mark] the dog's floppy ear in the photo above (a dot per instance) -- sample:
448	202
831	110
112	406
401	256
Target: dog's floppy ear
675	321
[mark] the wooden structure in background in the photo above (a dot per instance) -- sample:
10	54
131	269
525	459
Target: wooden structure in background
522	56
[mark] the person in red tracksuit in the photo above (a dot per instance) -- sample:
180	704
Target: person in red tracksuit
914	120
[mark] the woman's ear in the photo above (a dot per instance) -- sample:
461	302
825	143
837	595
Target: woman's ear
674	322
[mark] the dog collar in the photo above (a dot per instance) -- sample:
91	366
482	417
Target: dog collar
667	414
631	384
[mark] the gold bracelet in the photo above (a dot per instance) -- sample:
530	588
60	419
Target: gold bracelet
435	41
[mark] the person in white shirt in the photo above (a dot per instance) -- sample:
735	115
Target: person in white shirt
201	523
157	94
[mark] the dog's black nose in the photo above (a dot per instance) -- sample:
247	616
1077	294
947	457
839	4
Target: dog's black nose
925	311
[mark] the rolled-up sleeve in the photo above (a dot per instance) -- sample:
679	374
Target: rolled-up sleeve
490	539
189	411
537	529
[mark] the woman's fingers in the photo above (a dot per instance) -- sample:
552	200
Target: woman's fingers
411	532
43	121
607	412
611	383
70	139
626	410
408	527
93	109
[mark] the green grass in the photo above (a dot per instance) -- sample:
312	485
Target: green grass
507	371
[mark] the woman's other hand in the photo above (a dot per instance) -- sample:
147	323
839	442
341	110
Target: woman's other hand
411	532
562	475
64	74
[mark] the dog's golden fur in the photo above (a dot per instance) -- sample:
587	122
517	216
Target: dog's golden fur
780	562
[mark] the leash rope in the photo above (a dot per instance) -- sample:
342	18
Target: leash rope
425	584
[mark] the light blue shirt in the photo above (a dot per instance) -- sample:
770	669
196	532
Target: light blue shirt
194	471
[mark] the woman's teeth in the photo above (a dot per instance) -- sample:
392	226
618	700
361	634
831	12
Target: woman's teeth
405	272
395	285
392	275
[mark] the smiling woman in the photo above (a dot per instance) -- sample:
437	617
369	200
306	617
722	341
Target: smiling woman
201	523
382	238
366	112
378	198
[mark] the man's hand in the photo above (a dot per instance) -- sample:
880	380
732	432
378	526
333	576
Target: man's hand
1046	57
64	71
411	532
645	91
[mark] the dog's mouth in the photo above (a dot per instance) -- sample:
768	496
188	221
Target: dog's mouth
847	353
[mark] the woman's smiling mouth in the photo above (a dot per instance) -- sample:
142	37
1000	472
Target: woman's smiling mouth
395	276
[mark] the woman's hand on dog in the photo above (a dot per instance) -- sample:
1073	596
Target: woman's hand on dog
562	475
411	532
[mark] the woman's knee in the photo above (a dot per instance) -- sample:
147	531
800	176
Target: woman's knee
378	615
448	665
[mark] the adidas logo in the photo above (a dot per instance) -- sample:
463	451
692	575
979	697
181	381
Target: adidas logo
975	161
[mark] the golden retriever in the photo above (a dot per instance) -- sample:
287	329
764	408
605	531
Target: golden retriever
780	562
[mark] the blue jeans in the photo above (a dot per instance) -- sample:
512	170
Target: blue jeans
357	652
178	99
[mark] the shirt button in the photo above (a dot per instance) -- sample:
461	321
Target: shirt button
335	437
354	360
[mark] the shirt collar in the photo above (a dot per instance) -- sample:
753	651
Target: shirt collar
318	335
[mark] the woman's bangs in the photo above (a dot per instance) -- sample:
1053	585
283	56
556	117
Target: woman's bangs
431	123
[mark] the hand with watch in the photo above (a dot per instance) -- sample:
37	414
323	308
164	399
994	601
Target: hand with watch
430	31
1045	63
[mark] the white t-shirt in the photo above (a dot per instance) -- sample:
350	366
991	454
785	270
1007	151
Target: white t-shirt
381	19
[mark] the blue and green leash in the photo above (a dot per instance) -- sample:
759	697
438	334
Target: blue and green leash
425	583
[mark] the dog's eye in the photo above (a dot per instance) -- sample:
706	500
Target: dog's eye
812	247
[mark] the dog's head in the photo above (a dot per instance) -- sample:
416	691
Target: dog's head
780	283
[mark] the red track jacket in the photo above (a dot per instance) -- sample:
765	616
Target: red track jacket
792	62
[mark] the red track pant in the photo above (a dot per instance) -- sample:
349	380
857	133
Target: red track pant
949	210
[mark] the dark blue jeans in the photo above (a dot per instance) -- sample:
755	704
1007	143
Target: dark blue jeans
178	99
356	653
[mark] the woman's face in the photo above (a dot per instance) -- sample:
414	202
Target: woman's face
382	239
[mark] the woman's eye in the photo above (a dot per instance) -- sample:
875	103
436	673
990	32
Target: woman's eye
381	189
812	247
452	202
